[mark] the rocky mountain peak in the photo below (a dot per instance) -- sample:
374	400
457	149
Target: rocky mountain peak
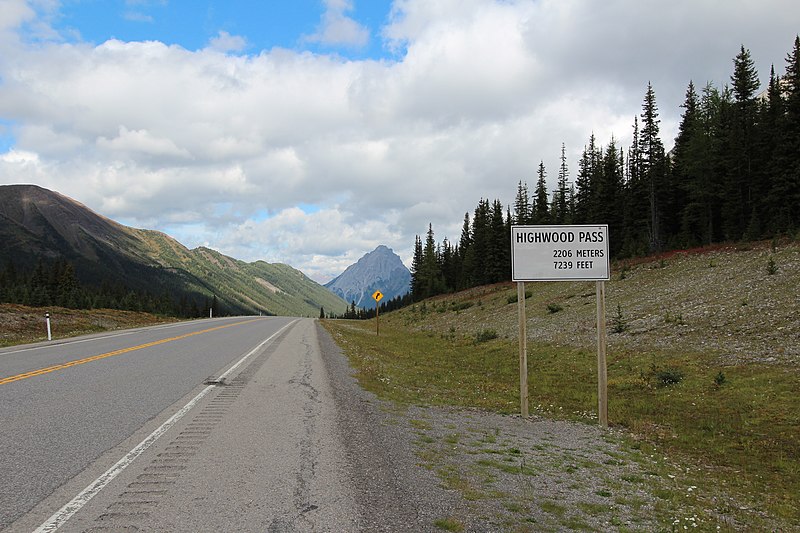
380	269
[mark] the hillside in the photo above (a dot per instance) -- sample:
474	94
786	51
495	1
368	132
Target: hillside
37	224
721	300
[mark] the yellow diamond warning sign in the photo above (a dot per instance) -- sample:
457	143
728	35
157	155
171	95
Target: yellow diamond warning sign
377	296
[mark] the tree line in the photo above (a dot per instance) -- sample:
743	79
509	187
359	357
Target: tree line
56	284
732	175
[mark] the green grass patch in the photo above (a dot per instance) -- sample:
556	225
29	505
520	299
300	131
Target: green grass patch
510	468
553	508
449	524
594	509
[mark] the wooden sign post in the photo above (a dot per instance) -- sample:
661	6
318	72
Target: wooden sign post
523	349
562	253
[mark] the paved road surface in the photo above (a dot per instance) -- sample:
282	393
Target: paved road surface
287	442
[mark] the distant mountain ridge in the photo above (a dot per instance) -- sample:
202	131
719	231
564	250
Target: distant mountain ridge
38	224
379	270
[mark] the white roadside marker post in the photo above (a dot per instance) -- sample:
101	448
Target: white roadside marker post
47	319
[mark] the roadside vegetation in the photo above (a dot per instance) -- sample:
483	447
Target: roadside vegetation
703	374
21	324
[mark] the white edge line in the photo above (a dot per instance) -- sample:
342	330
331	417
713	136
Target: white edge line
73	506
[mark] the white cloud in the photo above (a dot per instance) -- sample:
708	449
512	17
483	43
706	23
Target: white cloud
337	29
15	12
220	149
141	142
225	42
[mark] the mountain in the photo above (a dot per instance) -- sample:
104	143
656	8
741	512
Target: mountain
41	225
380	270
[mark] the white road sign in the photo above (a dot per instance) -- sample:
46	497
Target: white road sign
560	253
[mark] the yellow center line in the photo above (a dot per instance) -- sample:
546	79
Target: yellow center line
68	364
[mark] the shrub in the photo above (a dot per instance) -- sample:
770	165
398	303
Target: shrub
772	268
554	308
485	336
719	379
460	306
670	376
618	323
514	298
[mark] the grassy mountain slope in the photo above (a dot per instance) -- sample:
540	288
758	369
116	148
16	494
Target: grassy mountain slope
39	224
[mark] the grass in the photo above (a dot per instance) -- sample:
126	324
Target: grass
449	524
740	435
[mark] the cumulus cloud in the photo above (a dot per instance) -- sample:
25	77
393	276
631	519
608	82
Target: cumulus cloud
225	42
337	29
220	149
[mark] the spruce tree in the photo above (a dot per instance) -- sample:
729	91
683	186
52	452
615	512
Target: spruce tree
417	270
432	278
784	196
635	201
481	235
541	211
740	187
583	189
560	212
498	256
609	194
466	256
522	205
681	163
652	165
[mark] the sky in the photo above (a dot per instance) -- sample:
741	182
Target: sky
309	132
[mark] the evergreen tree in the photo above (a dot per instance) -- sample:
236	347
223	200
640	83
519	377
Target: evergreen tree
522	205
681	163
560	211
635	202
541	210
481	235
466	256
652	166
768	139
706	163
609	194
784	196
417	271
449	265
498	253
431	278
739	186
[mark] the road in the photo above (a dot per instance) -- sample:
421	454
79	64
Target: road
238	424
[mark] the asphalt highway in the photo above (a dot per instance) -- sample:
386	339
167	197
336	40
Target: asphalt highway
57	423
240	424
